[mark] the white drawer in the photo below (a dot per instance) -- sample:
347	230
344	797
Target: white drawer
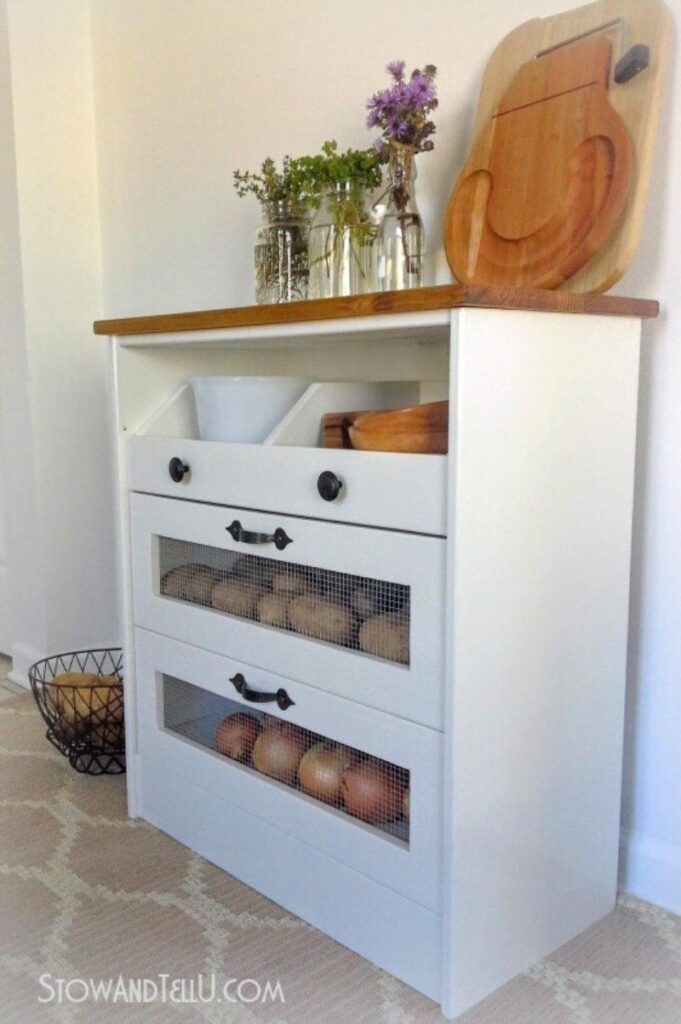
376	922
395	491
367	623
184	693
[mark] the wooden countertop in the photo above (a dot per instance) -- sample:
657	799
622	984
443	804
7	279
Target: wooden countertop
448	296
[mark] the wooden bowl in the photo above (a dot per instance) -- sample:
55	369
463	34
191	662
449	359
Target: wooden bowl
420	429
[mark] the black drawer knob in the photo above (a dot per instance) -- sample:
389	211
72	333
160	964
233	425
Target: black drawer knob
328	485
178	470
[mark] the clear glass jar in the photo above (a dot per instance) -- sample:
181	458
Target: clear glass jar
401	238
281	253
341	244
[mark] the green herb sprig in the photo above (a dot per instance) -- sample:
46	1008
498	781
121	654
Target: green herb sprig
305	178
270	185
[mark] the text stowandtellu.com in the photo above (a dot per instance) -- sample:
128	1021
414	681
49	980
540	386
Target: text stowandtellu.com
163	988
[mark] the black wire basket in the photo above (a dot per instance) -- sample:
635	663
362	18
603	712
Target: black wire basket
80	696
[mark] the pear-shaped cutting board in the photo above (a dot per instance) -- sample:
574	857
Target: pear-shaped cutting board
553	191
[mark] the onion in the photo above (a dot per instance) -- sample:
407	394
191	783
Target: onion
278	750
373	791
236	734
321	770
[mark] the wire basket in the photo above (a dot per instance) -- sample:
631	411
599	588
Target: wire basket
80	696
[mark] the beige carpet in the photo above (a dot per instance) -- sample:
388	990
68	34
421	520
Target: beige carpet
85	893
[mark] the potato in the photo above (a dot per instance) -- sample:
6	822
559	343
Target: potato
324	620
386	636
190	582
200	584
236	596
174	583
256	570
273	610
78	695
109	734
290	582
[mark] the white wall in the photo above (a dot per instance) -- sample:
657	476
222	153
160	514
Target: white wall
651	864
188	90
59	494
19	604
8	255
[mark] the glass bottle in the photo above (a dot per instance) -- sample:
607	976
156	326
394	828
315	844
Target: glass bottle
401	238
341	240
281	252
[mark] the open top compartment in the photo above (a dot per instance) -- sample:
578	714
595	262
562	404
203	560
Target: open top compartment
158	416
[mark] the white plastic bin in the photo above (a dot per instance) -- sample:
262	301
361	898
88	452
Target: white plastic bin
243	409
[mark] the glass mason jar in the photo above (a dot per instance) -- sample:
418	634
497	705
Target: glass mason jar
341	243
281	253
401	238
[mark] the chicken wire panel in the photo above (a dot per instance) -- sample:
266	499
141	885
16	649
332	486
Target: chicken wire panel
335	775
356	612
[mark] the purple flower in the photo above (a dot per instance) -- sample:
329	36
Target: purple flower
401	94
380	100
401	112
392	122
419	91
396	69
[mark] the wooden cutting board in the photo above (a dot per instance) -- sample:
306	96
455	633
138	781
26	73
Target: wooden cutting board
552	194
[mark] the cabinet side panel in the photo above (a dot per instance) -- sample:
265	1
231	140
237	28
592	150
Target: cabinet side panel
543	445
117	387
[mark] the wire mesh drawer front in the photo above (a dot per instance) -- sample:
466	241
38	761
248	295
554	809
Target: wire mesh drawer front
335	775
355	612
329	772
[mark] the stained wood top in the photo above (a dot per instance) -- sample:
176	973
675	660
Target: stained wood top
448	296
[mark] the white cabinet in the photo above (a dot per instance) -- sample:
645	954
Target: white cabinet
496	696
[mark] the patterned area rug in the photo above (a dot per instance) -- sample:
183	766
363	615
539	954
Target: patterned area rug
87	894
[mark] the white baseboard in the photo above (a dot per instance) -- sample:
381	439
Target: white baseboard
651	870
22	659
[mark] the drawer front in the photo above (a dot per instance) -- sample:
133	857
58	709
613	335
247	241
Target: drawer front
350	610
184	700
396	491
376	922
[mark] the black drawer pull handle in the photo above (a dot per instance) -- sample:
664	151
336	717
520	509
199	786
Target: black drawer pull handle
177	470
281	697
279	538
